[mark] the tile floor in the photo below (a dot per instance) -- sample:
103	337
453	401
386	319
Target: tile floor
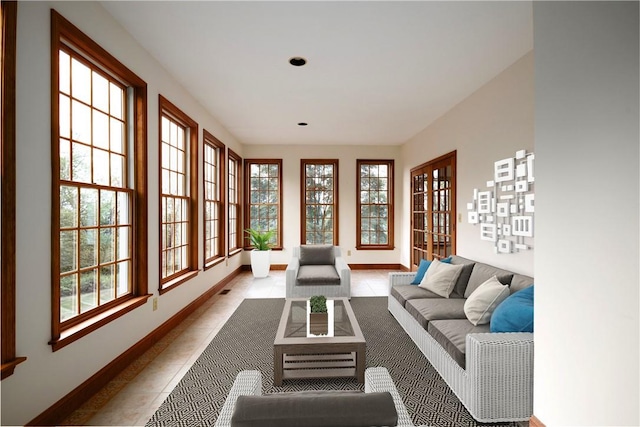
132	397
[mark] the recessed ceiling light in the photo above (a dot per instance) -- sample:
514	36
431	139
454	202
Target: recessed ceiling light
302	124
297	61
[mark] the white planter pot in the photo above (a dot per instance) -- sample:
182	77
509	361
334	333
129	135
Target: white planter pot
260	263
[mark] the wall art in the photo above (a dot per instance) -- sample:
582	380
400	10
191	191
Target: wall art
504	210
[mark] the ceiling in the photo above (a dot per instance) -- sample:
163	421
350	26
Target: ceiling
377	72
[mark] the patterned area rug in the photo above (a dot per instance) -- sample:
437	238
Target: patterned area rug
246	342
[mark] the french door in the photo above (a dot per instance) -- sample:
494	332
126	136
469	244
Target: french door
433	209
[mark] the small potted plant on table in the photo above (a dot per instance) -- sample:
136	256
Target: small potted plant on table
318	317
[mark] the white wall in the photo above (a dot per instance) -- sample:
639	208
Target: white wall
47	376
587	282
347	156
491	124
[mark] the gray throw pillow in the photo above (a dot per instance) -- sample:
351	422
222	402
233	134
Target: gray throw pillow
316	255
315	409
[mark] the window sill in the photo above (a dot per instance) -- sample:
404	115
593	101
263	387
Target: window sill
172	284
235	252
213	263
84	328
9	367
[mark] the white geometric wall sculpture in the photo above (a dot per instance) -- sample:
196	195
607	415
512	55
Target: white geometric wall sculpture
505	210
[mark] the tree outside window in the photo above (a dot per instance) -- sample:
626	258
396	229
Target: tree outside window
319	202
264	197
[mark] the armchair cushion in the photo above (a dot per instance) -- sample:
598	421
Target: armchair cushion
314	275
317	255
315	408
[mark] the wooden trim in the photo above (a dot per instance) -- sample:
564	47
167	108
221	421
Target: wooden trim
247	198
209	139
535	422
274	267
171	111
72	401
390	163
336	198
8	156
237	245
376	266
64	35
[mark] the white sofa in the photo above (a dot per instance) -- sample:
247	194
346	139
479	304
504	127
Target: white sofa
496	382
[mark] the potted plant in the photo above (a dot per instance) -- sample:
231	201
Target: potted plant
318	316
260	255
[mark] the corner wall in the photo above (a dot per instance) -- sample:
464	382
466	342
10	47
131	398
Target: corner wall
491	124
587	153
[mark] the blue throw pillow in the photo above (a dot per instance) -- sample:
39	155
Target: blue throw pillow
423	267
514	314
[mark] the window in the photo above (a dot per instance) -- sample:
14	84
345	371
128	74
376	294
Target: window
433	209
263	180
179	201
374	228
319	202
8	74
213	200
99	202
233	196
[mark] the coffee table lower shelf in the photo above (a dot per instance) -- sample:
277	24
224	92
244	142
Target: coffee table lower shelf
318	365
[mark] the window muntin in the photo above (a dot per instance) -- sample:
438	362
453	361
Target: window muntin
95	227
233	197
319	202
213	161
178	187
263	181
375	204
99	186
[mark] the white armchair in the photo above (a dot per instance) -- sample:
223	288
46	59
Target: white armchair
318	270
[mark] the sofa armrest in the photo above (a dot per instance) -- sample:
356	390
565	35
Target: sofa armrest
344	271
500	372
291	274
378	380
247	383
401	278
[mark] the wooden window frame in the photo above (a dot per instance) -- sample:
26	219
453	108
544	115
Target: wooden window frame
303	201
219	147
418	198
390	205
9	15
237	243
64	34
171	111
247	204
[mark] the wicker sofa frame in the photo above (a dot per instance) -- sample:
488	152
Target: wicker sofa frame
376	379
497	384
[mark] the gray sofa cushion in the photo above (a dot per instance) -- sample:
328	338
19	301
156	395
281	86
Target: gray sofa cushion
452	335
317	255
315	275
483	272
463	279
404	293
520	282
315	409
425	310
